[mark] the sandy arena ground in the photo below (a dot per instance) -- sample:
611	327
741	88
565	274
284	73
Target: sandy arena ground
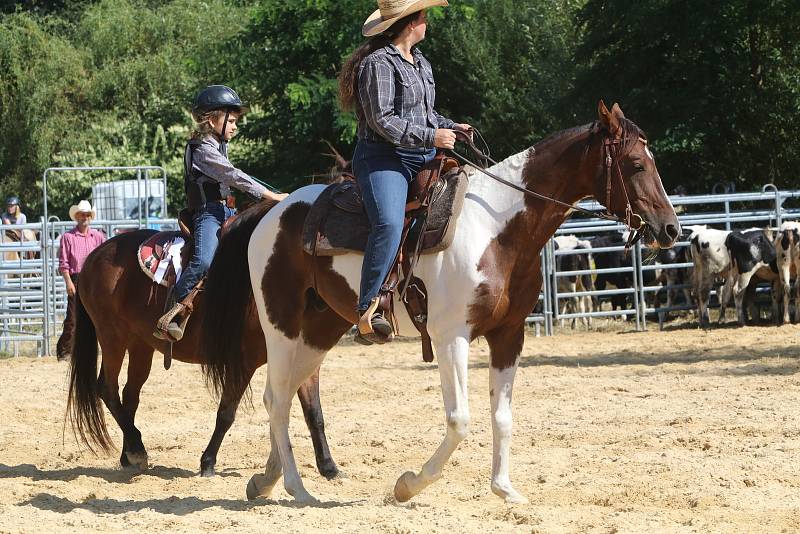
678	431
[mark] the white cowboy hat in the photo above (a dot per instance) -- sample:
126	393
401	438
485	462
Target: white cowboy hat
390	11
82	207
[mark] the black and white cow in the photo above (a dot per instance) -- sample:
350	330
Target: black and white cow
752	257
671	277
571	284
614	260
712	262
787	250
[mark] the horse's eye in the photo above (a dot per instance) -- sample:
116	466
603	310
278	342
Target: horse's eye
638	166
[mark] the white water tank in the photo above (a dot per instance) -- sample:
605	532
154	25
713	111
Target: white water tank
129	199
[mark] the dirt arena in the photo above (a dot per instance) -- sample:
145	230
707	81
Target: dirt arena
676	431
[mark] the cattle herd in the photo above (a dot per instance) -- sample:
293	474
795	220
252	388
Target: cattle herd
734	262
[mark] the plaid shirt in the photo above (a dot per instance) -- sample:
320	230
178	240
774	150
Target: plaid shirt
396	99
209	161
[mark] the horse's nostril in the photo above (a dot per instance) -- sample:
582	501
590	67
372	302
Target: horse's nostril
672	231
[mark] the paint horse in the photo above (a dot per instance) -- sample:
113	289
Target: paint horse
484	284
118	305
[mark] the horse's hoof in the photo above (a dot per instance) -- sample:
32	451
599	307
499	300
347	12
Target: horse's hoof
402	491
509	495
303	497
137	460
516	498
336	475
253	491
331	472
207	472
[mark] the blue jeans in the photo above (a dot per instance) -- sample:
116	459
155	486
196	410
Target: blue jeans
207	222
383	172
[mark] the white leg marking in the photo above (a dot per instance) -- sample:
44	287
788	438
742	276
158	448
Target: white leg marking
262	485
453	368
740	288
502	386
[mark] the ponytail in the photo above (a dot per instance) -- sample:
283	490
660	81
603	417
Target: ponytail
348	76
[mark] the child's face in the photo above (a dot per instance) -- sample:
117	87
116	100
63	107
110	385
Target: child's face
231	129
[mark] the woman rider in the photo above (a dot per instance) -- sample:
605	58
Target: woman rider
208	177
390	85
13	213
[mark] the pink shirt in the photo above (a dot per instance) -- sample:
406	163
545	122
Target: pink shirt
74	248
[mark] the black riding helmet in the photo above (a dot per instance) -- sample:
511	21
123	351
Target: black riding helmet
220	97
12	201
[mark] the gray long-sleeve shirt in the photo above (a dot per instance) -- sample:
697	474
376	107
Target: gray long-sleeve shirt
396	99
208	160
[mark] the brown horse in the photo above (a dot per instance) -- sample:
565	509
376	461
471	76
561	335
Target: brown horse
22	237
483	285
115	307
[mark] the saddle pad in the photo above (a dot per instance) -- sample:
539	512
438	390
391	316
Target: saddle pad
161	257
338	224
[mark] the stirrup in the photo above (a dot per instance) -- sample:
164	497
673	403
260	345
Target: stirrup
170	330
366	335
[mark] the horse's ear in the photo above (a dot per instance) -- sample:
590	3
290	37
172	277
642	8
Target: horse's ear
609	119
617	111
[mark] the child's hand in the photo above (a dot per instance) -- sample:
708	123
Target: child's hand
277	197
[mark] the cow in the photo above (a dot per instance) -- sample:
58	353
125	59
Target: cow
670	277
571	284
752	256
787	251
712	261
614	260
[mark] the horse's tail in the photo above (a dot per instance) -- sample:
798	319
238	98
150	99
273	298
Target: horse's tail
84	406
227	302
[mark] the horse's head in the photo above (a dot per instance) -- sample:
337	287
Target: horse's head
630	185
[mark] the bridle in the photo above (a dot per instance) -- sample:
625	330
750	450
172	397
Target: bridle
611	157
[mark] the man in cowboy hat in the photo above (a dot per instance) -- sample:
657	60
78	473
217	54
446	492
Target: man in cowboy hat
76	245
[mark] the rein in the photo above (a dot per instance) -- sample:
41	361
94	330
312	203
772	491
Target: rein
610	162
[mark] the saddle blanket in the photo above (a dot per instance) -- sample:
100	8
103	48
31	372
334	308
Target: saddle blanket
337	223
161	257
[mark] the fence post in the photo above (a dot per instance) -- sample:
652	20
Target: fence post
641	294
548	297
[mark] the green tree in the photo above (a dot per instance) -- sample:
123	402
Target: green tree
715	84
44	88
289	59
506	66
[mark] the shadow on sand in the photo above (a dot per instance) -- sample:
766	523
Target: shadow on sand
167	505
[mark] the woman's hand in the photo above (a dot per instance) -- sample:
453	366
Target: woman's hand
70	288
444	138
465	128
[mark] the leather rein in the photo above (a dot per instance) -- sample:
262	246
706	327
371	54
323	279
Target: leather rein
611	158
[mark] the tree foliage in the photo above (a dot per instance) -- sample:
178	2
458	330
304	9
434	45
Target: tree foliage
109	82
715	84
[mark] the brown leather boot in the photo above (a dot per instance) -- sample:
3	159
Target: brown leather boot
170	326
381	329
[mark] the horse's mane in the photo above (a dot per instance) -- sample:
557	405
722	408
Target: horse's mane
630	135
561	135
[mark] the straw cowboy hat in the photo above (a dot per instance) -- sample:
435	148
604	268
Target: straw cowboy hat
390	11
82	207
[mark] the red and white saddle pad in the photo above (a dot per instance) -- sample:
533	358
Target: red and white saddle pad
161	257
